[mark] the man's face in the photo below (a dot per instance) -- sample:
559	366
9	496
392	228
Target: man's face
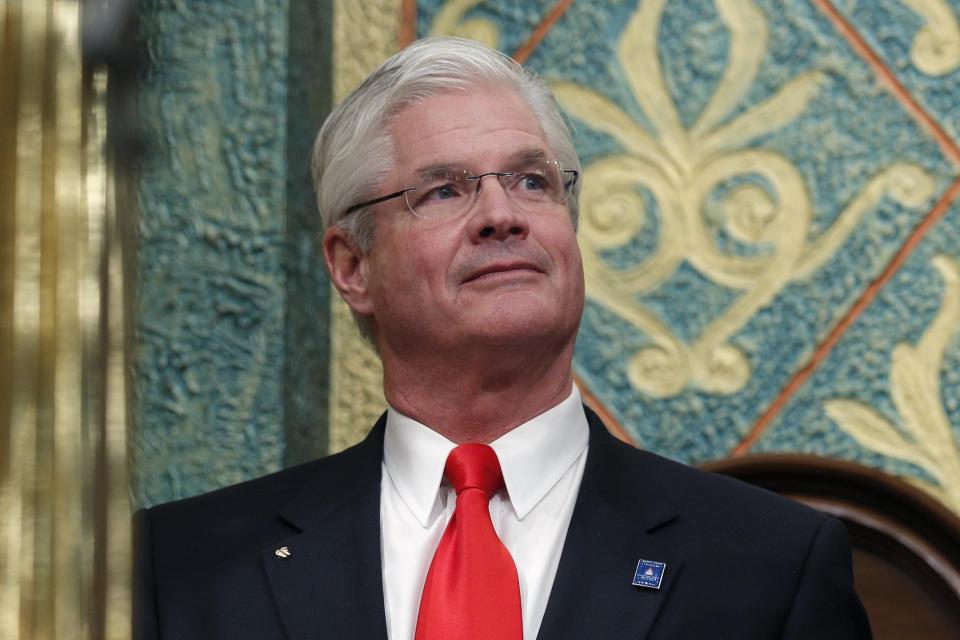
494	276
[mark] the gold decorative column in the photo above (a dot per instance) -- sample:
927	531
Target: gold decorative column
64	508
364	35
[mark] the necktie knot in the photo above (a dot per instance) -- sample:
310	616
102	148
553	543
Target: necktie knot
474	466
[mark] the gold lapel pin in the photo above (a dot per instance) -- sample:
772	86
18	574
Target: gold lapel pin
282	552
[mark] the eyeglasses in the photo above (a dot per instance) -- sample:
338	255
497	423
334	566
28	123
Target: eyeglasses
448	192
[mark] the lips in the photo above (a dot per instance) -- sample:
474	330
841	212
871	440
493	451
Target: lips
500	258
501	267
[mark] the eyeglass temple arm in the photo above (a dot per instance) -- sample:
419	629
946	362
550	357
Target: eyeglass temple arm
368	203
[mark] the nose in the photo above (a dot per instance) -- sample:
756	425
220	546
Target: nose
494	215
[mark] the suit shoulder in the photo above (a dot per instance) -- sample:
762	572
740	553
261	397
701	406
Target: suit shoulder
732	492
253	499
711	497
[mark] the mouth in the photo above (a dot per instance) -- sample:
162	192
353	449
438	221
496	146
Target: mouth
502	269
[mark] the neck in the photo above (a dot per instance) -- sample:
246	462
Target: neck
477	398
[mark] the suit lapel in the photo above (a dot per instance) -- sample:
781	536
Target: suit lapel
330	585
619	519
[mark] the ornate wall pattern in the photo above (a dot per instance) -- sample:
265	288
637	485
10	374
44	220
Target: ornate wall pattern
769	227
231	306
211	293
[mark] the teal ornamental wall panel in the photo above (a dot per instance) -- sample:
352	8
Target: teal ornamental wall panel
889	394
919	41
210	286
231	303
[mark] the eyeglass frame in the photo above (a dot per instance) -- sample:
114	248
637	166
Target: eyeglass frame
479	178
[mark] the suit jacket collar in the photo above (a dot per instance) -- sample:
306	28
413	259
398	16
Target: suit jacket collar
330	586
621	516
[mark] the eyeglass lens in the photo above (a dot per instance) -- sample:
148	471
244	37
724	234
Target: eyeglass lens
450	192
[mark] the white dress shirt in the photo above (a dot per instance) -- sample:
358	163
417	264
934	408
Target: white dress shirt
542	462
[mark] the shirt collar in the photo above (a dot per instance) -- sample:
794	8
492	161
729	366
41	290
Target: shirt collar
533	456
414	456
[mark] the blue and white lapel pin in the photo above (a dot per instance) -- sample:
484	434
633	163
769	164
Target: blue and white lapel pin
649	574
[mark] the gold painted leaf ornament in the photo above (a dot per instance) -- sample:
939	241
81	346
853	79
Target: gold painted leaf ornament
927	439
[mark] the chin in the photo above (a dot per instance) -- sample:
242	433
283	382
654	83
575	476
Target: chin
519	317
520	329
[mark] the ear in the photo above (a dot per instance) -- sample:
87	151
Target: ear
347	268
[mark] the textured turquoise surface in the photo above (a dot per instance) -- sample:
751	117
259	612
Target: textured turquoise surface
859	367
307	352
890	27
228	282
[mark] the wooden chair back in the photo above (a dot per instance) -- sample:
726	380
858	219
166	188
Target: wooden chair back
906	545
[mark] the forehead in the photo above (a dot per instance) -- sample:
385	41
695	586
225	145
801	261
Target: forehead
471	128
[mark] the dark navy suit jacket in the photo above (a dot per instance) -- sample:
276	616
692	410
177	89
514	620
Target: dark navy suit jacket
741	563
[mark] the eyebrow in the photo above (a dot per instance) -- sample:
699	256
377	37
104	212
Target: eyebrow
523	155
437	168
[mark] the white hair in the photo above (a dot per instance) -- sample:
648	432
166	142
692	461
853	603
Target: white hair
354	152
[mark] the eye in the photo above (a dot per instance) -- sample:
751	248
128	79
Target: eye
440	190
533	182
443	192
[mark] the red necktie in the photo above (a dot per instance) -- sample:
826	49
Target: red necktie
472	591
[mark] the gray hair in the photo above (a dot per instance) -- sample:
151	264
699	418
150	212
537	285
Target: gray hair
353	152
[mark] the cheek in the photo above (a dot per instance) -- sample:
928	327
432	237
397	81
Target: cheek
416	273
422	265
569	252
402	253
571	264
431	255
576	274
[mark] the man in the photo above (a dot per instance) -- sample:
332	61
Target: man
448	186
